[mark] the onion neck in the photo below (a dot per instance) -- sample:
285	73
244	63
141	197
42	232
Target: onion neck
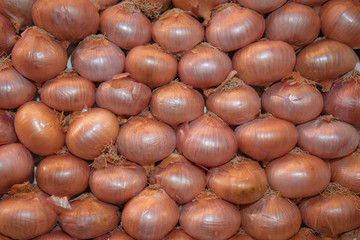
231	83
5	63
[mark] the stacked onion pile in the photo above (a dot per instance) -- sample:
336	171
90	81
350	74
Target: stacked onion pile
165	119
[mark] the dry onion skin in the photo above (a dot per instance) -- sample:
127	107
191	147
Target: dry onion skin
178	234
117	234
305	234
7	129
103	4
262	6
241	235
18	11
351	235
8	37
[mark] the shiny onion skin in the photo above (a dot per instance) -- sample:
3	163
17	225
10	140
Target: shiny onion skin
56	234
68	92
97	59
89	217
117	183
18	11
209	217
305	234
38	56
309	2
117	234
340	21
150	215
8	37
266	138
150	65
7	129
125	25
207	141
262	6
239	27
327	138
204	66
240	181
264	62
176	103
89	133
298	174
181	179
66	19
178	234
39	128
16	165
177	31
145	140
103	4
300	25
123	96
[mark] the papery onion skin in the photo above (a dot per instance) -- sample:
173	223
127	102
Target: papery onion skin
241	235
7	129
207	141
262	6
117	234
239	27
54	235
18	11
178	234
8	37
309	2
103	4
350	235
264	62
39	128
305	234
66	19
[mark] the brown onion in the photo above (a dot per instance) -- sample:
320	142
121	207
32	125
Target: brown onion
178	234
180	179
305	234
18	11
309	2
262	6
97	59
239	27
266	138
90	132
55	234
264	62
332	212
151	65
39	128
176	103
117	234
150	215
326	137
241	235
7	129
66	19
103	4
207	141
240	181
204	66
38	56
177	31
8	36
209	217
351	235
68	92
125	25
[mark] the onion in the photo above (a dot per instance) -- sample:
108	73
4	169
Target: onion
55	234
88	217
8	37
262	6
300	25
298	174
103	4
241	235
240	181
352	235
150	215
90	132
266	138
18	11
39	128
309	2
208	217
66	19
68	92
7	129
294	99
180	179
305	234
176	103
332	212
204	66
38	56
16	165
327	138
264	62
272	217
151	65
178	234
239	27
207	141
177	31
152	8
117	234
123	96
125	25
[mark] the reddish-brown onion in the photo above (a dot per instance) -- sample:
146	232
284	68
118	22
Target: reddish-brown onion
305	234
309	2
103	4
55	234
66	19
264	62
240	181
7	129
39	128
207	141
117	234
241	235
209	217
327	138
8	36
125	25
262	6
176	103
68	92
239	27
38	56
351	235
180	179
178	234
177	31
151	65
90	132
150	215
18	11
204	66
